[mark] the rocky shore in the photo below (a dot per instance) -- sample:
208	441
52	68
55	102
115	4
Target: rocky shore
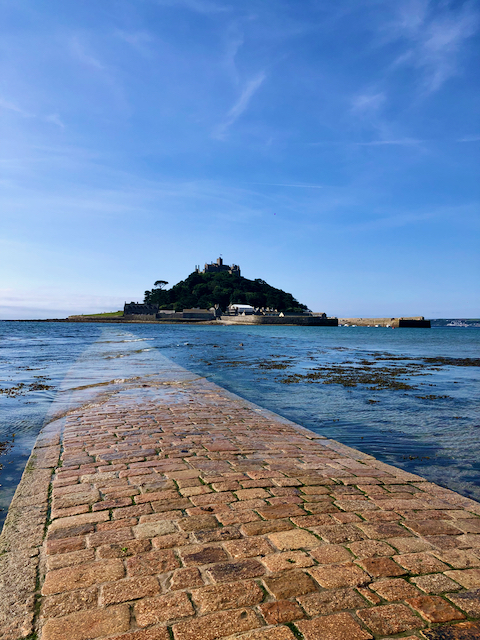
170	508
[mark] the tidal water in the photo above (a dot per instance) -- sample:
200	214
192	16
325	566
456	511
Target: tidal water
410	397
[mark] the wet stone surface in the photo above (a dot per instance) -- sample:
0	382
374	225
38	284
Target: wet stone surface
194	516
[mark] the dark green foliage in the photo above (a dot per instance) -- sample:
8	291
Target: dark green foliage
204	290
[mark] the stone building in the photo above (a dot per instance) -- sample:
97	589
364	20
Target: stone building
140	311
135	308
218	266
198	314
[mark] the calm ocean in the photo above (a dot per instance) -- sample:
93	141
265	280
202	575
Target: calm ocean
410	397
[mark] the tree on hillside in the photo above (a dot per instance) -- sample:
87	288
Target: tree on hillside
158	295
207	289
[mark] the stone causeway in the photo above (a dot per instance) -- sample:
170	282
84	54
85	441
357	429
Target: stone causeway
174	510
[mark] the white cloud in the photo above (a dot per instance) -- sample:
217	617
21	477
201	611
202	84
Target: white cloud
402	141
199	6
366	103
234	42
54	118
134	37
139	40
80	51
469	139
10	106
281	184
412	14
240	106
435	36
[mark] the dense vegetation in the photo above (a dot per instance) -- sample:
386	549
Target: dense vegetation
204	290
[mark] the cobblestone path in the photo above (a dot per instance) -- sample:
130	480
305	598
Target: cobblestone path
196	517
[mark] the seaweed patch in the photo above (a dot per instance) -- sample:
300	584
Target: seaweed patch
21	389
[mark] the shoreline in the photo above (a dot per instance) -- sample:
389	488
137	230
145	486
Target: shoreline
244	478
417	322
121	321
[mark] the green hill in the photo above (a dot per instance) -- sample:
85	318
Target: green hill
204	290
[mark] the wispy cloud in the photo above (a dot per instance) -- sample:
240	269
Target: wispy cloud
469	139
240	106
200	6
83	55
400	142
139	40
395	218
10	106
368	102
54	118
235	40
281	184
411	15
435	36
367	109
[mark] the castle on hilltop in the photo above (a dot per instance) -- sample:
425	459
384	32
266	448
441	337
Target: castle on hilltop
216	267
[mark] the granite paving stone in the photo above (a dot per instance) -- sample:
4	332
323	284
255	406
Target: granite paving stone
83	625
468	601
63	604
293	539
458	558
434	609
340	575
278	632
153	633
128	589
394	589
287	560
227	596
163	608
467	578
281	611
216	625
248	548
338	626
435	583
381	567
390	619
228	571
420	563
289	584
181	511
371	548
460	631
330	601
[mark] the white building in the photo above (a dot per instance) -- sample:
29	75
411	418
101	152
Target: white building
242	309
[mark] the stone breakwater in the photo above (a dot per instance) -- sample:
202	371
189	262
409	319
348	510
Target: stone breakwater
417	322
170	508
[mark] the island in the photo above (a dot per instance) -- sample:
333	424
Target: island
218	293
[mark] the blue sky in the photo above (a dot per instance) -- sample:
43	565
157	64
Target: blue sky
330	148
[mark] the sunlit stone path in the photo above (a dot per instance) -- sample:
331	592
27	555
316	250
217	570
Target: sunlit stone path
181	511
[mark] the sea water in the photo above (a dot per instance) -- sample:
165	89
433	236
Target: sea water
410	397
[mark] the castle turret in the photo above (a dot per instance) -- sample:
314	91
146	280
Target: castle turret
218	266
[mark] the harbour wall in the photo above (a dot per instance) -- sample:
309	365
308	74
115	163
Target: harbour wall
134	318
412	322
304	321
